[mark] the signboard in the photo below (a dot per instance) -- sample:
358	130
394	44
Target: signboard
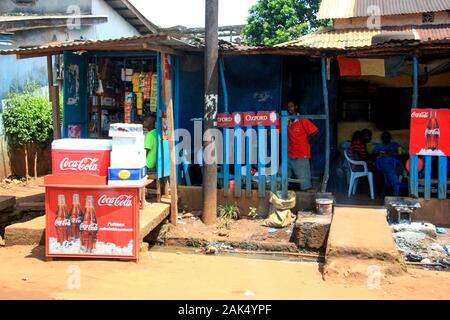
91	222
225	120
430	132
261	118
267	118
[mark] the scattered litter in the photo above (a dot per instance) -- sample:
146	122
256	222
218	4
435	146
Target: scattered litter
426	260
248	293
211	250
272	230
223	234
426	228
413	258
288	231
447	248
25	279
445	262
437	247
441	230
181	222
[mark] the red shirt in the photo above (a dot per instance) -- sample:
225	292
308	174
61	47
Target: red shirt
299	132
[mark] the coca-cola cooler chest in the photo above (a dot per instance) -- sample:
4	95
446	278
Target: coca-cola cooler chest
89	156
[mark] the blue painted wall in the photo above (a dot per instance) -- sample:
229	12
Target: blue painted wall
262	83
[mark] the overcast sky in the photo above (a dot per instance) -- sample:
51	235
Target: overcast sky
191	13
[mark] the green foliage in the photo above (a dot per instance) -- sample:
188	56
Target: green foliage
228	212
28	116
226	215
275	21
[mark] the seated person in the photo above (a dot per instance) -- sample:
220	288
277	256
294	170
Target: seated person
150	142
358	150
386	145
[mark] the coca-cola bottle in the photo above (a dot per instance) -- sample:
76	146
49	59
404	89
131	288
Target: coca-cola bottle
432	132
62	221
89	227
76	217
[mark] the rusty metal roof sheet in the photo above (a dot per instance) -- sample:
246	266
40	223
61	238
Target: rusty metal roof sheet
145	42
355	38
341	9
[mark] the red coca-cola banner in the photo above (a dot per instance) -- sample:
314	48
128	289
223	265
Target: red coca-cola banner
430	132
94	222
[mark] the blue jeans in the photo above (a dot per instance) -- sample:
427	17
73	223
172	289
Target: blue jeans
302	170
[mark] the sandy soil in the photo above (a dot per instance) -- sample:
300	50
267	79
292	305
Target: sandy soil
20	190
169	275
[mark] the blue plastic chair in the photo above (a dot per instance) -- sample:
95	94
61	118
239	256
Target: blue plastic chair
388	166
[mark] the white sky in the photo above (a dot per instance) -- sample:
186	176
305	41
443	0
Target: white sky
191	13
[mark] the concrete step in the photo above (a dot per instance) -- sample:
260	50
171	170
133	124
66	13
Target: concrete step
7	202
33	232
361	240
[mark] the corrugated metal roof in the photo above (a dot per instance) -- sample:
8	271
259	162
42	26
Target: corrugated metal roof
355	38
125	44
339	9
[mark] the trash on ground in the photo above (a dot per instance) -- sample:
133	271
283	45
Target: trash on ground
272	230
441	230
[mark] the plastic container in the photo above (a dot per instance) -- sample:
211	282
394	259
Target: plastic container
324	206
127	176
87	156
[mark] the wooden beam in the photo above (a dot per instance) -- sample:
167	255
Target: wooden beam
50	74
168	101
54	91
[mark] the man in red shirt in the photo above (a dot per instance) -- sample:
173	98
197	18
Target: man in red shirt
299	149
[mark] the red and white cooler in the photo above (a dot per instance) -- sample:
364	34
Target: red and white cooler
88	156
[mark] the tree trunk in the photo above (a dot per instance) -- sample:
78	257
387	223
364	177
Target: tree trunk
26	163
35	164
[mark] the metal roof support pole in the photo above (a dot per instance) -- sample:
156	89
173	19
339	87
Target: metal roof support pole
326	173
224	84
414	160
415	101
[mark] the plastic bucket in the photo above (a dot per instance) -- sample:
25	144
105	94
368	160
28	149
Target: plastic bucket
324	206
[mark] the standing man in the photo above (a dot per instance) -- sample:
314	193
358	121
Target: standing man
299	149
150	142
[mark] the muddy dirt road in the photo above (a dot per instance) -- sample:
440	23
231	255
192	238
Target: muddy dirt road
170	275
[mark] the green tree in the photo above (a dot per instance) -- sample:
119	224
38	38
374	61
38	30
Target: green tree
275	21
28	120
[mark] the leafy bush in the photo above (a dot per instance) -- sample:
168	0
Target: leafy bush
226	215
28	119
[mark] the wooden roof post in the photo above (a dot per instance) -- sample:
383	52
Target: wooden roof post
54	98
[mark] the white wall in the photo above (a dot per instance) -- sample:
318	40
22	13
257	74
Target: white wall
117	27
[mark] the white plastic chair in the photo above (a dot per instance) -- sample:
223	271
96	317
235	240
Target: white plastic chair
355	175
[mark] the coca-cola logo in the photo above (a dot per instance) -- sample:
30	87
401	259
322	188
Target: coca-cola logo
62	223
434	132
119	201
89	227
421	115
75	220
85	164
